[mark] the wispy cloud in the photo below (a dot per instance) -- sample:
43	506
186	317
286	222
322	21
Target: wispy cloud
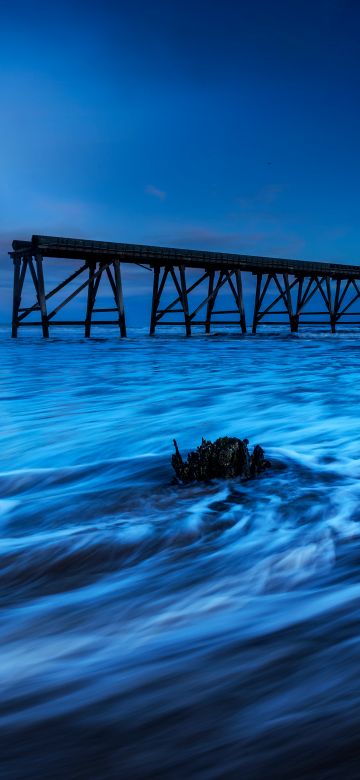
263	197
206	238
254	238
194	236
155	192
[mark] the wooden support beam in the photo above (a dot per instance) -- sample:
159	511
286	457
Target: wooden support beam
78	290
185	303
284	287
16	296
160	292
342	296
336	302
309	293
90	299
260	314
35	280
300	282
288	302
54	291
67	322
160	313
41	296
177	287
303	297
356	286
210	302
259	277
240	301
220	283
111	280
348	305
320	288
315	284
154	303
183	295
276	300
330	304
234	291
119	298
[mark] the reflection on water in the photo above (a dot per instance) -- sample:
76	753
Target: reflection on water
150	630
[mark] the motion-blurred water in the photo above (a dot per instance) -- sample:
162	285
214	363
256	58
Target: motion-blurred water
150	630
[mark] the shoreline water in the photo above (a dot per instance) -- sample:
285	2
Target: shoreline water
150	629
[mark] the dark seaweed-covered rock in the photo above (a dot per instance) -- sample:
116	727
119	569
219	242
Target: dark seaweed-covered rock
225	458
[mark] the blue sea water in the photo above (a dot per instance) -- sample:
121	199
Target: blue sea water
152	630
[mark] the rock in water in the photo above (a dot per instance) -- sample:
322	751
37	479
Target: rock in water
225	458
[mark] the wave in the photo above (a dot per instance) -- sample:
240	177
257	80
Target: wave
160	630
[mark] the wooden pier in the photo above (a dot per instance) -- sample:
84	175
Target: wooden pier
290	284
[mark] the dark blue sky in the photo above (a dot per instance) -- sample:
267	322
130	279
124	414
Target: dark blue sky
227	125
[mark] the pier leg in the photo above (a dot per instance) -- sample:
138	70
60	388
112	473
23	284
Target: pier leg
336	303
185	300
90	299
298	304
289	307
154	304
16	297
41	296
240	300
211	301
119	298
257	301
330	304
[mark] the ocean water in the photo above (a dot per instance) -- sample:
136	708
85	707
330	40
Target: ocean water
151	630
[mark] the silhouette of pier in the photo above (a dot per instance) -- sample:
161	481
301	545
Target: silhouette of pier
289	284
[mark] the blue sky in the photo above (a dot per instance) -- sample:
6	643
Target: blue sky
228	126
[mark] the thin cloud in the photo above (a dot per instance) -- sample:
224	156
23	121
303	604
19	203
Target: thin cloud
253	239
202	237
155	192
264	197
